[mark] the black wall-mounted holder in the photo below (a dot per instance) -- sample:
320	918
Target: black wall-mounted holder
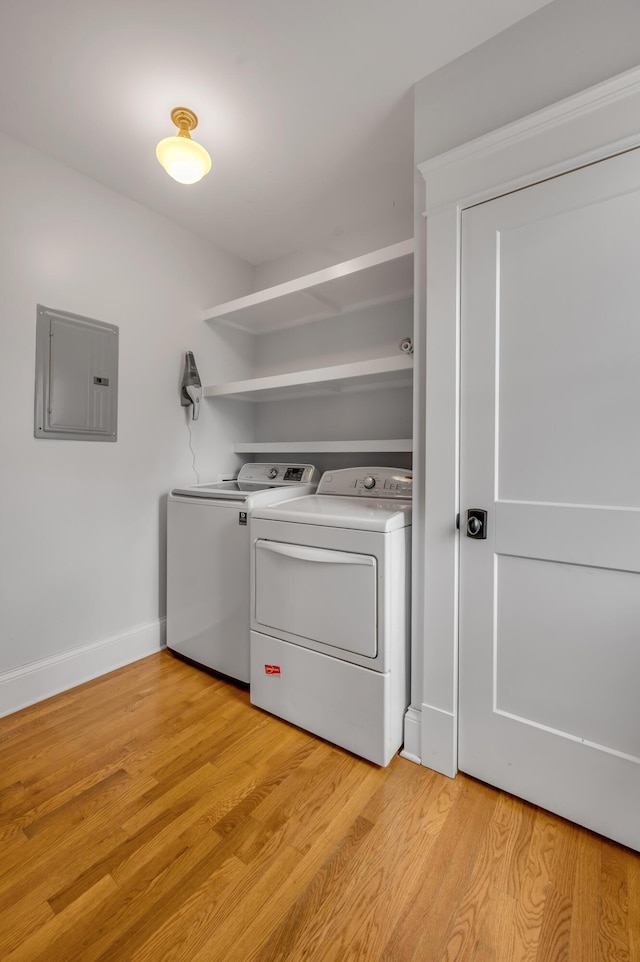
477	524
191	390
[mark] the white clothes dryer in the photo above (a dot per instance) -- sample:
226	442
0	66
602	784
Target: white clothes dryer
208	561
330	609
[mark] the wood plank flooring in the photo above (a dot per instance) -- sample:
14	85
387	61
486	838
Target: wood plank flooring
153	814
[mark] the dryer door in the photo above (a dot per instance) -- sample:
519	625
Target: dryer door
318	595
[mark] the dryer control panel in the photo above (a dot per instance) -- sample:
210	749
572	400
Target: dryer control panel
259	472
373	482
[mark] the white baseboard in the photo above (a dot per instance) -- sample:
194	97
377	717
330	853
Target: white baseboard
412	731
439	740
33	683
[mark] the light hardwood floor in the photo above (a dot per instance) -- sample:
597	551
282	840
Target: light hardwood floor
153	814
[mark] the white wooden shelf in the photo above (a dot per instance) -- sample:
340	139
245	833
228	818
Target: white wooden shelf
374	278
384	372
324	447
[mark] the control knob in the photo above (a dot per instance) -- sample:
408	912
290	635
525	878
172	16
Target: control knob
272	473
369	483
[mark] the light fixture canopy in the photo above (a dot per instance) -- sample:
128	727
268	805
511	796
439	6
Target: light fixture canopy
182	158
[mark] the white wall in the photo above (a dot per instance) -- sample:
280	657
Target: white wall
396	227
371	332
82	523
559	50
348	337
363	334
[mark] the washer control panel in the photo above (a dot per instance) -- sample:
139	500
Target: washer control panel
368	483
268	473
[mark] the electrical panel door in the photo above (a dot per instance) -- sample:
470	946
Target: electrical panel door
76	377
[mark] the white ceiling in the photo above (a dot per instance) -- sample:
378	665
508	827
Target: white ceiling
305	105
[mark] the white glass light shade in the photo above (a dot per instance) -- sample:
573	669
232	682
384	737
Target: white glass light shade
183	159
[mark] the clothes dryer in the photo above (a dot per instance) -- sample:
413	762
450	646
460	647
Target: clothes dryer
330	609
208	561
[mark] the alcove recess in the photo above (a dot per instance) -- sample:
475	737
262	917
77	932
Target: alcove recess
331	383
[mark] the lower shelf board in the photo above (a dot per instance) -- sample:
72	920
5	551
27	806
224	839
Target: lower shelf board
321	447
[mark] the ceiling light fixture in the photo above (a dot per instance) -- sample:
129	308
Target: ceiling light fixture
182	158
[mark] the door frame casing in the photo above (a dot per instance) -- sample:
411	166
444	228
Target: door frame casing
582	129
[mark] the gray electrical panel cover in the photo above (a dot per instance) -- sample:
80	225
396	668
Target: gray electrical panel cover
76	377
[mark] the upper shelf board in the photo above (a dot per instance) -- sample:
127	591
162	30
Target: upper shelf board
382	275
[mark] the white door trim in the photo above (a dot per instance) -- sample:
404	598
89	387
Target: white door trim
582	129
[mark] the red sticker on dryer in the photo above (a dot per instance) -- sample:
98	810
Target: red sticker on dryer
272	669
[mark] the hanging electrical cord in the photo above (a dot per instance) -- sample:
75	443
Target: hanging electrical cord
193	453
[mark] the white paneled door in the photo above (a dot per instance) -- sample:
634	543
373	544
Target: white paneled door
550	448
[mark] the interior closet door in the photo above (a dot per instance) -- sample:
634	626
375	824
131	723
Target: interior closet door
550	448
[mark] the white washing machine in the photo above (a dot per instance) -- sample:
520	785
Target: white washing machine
330	609
208	562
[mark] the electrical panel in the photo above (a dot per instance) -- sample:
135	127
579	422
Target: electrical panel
76	396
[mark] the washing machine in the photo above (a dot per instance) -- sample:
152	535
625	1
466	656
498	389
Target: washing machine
330	609
208	561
